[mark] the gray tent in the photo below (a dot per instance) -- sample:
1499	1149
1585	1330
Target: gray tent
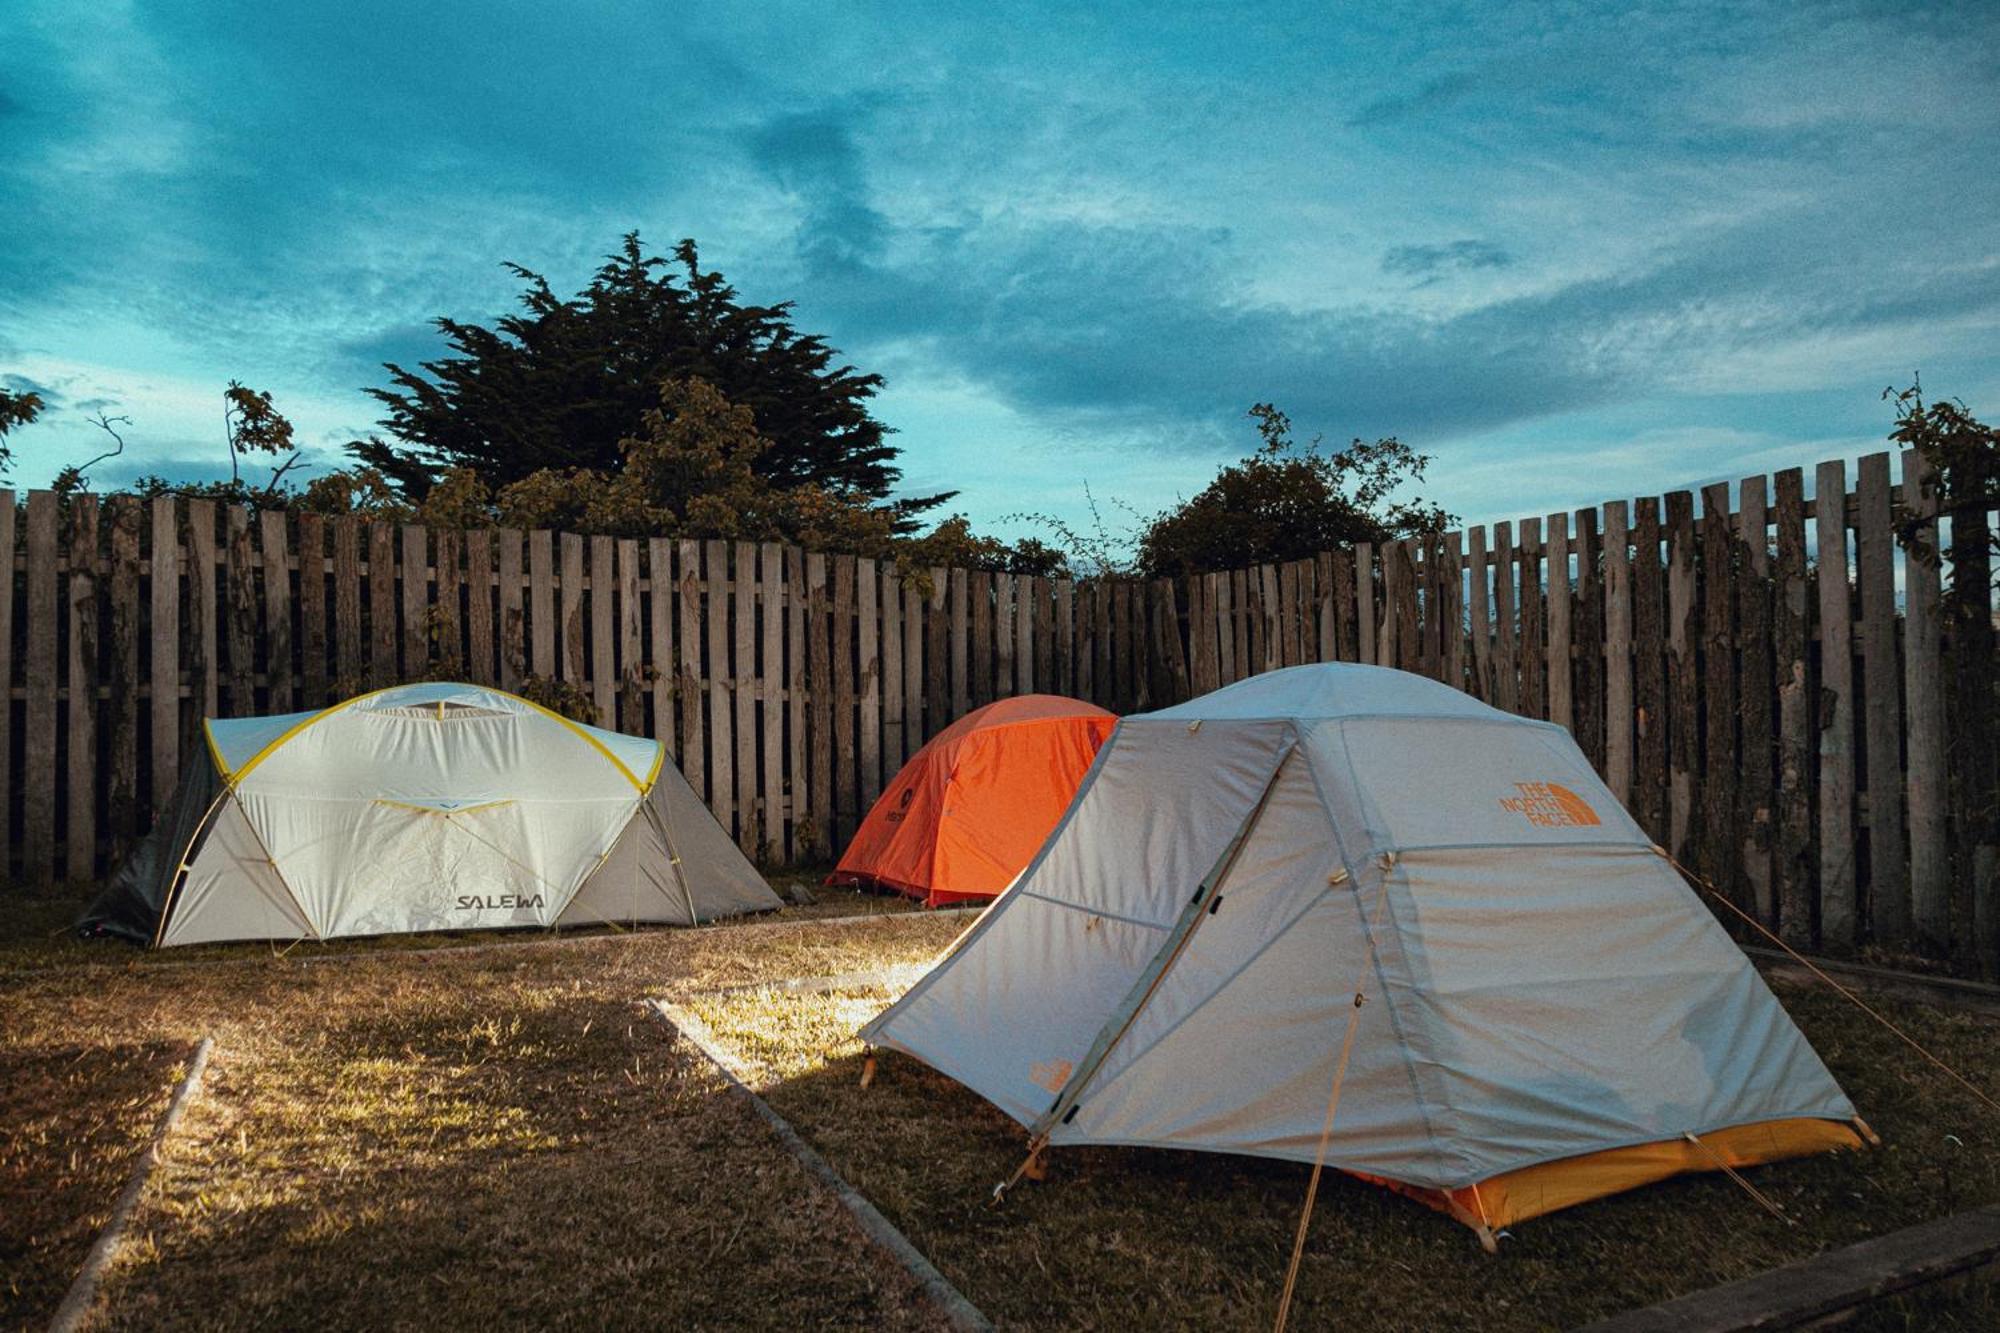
1551	1014
424	807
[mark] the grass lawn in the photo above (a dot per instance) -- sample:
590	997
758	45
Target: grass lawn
487	1130
470	1136
1123	1236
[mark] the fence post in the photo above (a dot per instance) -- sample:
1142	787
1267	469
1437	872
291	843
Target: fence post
1839	912
1930	866
1790	634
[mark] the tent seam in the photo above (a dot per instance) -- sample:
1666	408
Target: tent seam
1403	1030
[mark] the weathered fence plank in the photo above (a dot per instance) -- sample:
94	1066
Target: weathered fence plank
445	618
720	674
274	545
313	691
1683	679
1923	692
572	641
980	589
1756	736
121	663
1718	658
1839	899
9	843
350	630
1587	620
631	650
744	690
819	669
545	633
1065	638
601	637
1025	678
39	675
798	770
203	612
846	752
1480	614
415	600
240	624
1649	673
1045	637
1617	646
1533	701
772	840
1881	698
868	686
80	816
1506	650
481	668
960	595
688	678
165	664
937	656
511	628
662	668
894	725
1004	636
913	667
1792	870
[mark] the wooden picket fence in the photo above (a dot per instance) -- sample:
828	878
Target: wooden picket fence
1685	651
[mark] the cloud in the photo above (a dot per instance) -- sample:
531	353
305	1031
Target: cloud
1103	245
1430	95
50	396
1432	262
812	155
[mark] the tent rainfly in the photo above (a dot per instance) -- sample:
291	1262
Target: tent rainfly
1543	1012
424	807
975	804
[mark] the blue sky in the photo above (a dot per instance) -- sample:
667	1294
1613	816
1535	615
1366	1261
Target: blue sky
1572	253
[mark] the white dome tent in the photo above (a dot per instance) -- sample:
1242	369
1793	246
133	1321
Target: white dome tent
424	807
1550	1014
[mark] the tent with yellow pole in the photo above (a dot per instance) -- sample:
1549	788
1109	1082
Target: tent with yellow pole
424	807
1344	914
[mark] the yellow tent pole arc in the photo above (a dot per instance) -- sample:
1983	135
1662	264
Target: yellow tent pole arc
573	727
232	778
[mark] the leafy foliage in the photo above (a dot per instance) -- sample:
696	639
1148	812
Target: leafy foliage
562	385
16	409
1288	501
1964	457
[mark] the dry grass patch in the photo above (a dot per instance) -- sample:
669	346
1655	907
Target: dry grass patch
451	1137
1192	1240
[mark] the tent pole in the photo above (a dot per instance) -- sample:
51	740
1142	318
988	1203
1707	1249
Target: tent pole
181	866
673	858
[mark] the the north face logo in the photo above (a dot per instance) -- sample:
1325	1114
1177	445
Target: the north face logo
1549	805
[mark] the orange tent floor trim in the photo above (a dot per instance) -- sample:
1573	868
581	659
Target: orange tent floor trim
1516	1196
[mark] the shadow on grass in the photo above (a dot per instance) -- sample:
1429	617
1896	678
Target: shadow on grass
73	1121
1200	1240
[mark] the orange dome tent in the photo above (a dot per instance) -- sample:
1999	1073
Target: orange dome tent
971	809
